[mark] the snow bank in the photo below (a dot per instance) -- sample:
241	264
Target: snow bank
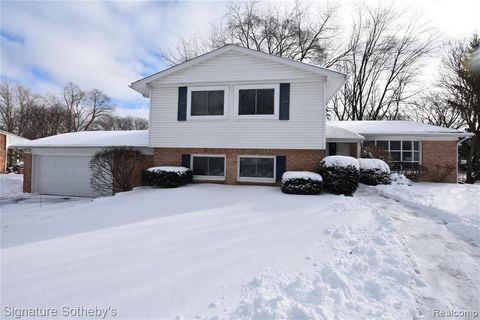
358	273
11	185
400	179
456	205
373	164
168	169
291	175
341	161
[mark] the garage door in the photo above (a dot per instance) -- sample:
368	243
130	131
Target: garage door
62	175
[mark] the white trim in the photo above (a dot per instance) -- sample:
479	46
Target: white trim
213	178
276	101
207	117
254	179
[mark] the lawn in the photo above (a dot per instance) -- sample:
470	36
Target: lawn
208	250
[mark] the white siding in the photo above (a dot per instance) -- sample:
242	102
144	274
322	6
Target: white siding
304	130
236	66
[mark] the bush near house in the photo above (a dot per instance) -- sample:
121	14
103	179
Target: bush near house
301	182
114	169
340	174
167	177
374	172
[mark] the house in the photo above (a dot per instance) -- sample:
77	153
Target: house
233	115
6	140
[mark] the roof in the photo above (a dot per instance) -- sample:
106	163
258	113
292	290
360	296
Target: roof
133	138
397	127
335	133
142	84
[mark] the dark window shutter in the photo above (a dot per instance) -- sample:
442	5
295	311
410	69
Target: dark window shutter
284	101
186	160
281	166
182	104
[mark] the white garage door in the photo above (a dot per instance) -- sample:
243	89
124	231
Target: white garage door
62	175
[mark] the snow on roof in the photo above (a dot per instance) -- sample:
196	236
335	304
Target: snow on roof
137	138
395	127
335	133
13	138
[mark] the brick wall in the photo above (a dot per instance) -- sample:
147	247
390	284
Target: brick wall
296	159
27	172
441	154
3	152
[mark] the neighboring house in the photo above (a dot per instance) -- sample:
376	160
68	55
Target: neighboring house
233	115
6	140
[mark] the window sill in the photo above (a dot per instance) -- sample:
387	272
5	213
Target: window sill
258	180
209	178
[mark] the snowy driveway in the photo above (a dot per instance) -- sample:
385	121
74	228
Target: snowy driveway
236	252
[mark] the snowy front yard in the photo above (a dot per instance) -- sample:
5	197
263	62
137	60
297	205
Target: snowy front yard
246	252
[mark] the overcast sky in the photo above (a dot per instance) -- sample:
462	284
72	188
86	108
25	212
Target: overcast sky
108	45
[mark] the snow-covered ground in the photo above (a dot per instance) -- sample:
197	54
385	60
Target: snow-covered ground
11	185
456	205
236	252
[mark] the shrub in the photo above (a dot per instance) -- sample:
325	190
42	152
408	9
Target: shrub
301	182
114	169
168	177
340	174
377	152
374	171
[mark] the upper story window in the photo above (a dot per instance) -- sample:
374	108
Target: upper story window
257	101
206	102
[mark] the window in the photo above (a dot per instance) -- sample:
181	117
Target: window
256	168
405	154
206	102
257	101
208	167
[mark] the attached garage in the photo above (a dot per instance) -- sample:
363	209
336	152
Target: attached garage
60	165
62	175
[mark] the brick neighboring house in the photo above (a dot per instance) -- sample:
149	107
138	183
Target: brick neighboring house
235	116
7	139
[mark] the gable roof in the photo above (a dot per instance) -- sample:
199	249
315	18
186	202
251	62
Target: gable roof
397	127
334	78
132	138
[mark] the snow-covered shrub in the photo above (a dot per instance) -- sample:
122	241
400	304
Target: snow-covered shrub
340	174
168	177
301	182
374	171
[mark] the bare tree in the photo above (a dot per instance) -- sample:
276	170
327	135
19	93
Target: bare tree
460	78
432	108
298	33
7	107
121	123
383	55
73	97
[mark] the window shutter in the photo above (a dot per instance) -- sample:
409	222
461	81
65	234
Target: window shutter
182	104
284	101
281	167
186	160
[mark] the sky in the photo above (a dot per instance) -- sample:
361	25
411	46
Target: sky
108	45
